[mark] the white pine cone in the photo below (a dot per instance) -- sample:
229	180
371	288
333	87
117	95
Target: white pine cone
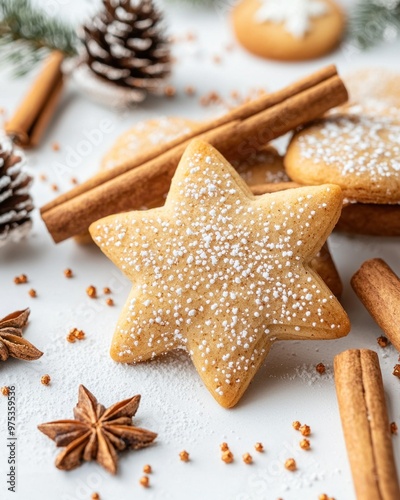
15	200
125	54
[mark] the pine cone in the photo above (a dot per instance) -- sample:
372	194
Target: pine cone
15	201
124	51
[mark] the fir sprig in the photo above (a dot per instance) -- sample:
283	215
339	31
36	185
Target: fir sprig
374	21
28	33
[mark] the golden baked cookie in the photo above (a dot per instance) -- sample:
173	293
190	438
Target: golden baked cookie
361	154
288	30
221	273
370	219
372	91
265	167
146	135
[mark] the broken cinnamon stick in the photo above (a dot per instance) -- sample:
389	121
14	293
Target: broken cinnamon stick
29	122
129	187
365	423
378	288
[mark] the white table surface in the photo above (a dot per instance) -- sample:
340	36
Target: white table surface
174	402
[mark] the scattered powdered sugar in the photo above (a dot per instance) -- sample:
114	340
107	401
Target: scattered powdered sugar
308	374
218	273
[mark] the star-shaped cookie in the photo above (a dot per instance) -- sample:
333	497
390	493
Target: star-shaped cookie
222	273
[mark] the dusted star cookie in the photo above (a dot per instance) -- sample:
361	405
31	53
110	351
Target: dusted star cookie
359	153
222	273
288	30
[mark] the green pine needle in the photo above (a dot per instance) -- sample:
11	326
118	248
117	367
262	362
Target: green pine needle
374	21
27	34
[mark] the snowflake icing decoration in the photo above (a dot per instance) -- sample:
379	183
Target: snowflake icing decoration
294	14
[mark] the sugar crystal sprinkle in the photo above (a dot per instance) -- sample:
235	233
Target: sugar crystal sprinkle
227	457
363	146
213	251
290	464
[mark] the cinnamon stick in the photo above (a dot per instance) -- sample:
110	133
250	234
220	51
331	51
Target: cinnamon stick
365	425
240	113
29	122
378	288
112	191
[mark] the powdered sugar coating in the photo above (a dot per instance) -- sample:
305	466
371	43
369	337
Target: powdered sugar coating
358	152
221	273
145	135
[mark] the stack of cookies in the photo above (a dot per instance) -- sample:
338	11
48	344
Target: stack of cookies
358	148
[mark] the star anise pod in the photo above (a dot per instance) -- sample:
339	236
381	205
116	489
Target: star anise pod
97	433
11	341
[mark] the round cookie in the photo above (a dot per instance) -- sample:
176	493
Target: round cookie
288	30
372	91
146	135
370	219
265	167
361	154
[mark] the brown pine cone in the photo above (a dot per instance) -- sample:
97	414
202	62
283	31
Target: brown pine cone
15	200
124	51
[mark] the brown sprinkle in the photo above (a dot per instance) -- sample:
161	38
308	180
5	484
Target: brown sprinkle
305	430
290	464
68	273
5	390
22	278
106	290
32	293
45	380
305	444
382	341
170	91
296	425
324	496
144	481
259	447
184	456
227	457
189	90
91	292
95	496
320	368
224	446
110	302
393	428
147	469
75	334
247	458
55	146
43	177
396	371
74	180
54	187
217	59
